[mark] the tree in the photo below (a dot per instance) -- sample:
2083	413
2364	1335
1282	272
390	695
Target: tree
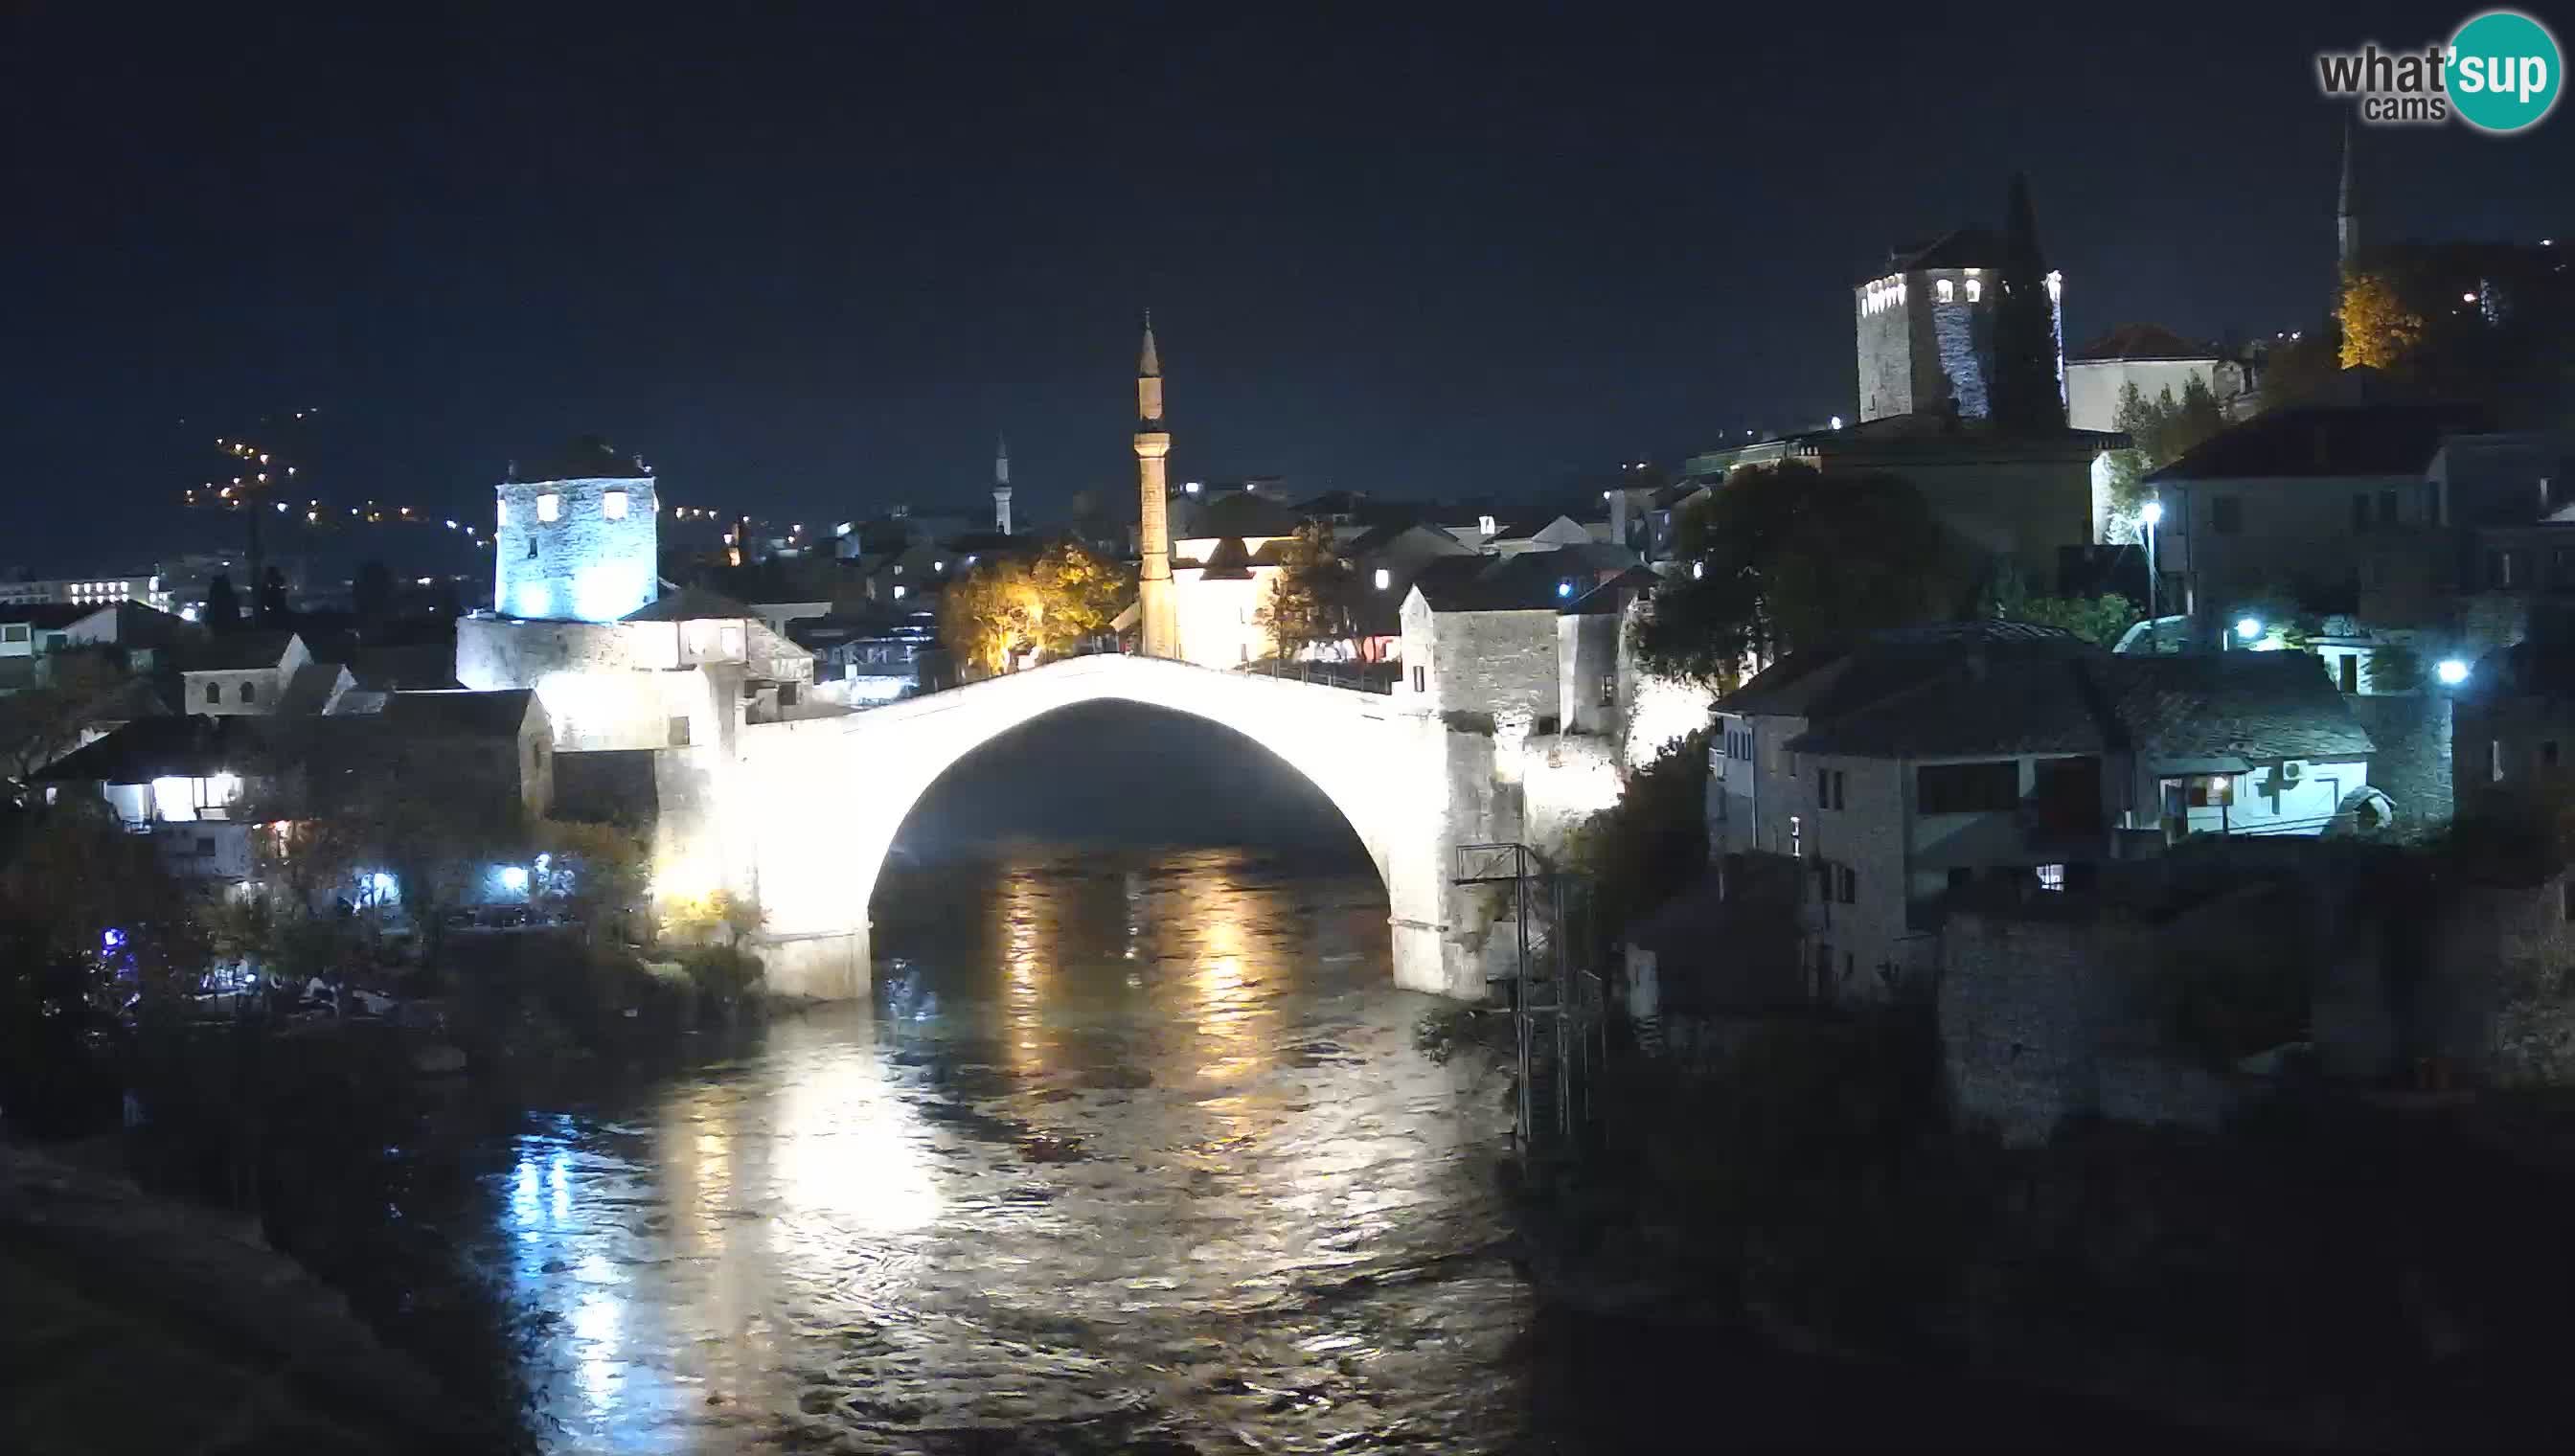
2301	370
2378	330
1644	849
1003	608
371	594
41	724
1781	555
989	616
2101	620
1309	600
2028	395
593	873
223	605
2159	432
2393	668
272	598
1080	594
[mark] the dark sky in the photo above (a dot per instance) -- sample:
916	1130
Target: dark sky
812	264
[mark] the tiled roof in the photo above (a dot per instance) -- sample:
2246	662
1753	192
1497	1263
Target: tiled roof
2327	440
459	713
310	689
1537	581
689	604
1963	248
1227	562
190	747
237	651
1614	593
2254	706
1821	681
1244	513
589	458
47	615
2142	342
1974	705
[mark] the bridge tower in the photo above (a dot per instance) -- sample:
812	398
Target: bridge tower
1157	620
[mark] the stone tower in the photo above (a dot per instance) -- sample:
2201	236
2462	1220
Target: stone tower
1158	622
2347	210
1001	484
576	537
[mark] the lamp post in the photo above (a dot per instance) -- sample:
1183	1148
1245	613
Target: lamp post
2153	516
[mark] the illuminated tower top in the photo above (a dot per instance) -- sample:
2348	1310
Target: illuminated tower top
578	538
1001	484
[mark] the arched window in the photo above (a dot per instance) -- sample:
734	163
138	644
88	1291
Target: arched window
214	692
1948	290
250	692
1975	288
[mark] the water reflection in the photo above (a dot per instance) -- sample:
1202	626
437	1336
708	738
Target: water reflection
1125	1151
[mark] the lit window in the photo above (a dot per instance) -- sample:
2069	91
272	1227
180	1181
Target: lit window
1484	524
897	593
1947	290
1384	579
550	506
1975	290
612	505
2051	876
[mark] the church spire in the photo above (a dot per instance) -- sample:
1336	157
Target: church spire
2347	207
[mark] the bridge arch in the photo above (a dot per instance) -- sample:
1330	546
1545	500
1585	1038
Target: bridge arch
814	805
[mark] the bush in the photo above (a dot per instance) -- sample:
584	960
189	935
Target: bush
723	973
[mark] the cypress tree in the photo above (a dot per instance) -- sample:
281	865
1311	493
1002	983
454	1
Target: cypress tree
2025	388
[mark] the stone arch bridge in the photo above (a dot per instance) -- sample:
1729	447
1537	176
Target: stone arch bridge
806	810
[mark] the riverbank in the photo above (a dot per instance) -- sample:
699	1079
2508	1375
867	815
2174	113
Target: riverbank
138	1324
2322	1277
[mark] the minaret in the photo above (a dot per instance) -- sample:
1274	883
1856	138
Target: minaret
1157	619
2347	210
1001	484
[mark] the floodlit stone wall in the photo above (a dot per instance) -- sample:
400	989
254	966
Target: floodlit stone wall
583	550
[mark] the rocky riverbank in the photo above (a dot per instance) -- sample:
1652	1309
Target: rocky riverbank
137	1324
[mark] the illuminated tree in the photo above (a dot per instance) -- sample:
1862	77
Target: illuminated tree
1080	594
2159	432
41	724
2378	330
990	615
1310	598
2101	620
1002	609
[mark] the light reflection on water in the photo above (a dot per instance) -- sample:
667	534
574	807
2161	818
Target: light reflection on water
1124	1151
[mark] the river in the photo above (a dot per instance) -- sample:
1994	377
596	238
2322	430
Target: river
1130	1150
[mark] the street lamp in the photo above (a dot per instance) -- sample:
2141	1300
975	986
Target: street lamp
2451	670
2248	628
2153	516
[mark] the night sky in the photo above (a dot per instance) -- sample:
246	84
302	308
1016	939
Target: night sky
813	264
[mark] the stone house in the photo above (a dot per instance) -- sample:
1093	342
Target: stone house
497	744
1926	763
1480	632
2155	360
2513	721
250	673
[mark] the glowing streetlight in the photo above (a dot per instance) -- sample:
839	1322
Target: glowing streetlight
2451	670
2248	628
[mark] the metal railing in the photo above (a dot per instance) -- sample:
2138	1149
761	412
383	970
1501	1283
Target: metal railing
1558	1003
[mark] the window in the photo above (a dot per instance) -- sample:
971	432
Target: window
2051	876
2494	758
612	505
1608	689
1846	883
2361	511
1956	789
1947	288
676	735
1422	680
2387	508
1384	579
2204	790
1975	288
2226	515
1828	788
214	692
12	632
204	845
250	692
550	506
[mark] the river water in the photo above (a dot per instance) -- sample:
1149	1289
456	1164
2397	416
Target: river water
1130	1150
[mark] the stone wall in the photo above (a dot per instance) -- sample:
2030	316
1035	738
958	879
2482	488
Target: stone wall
2411	763
1587	649
2499	1006
2044	1020
585	564
1885	347
1495	663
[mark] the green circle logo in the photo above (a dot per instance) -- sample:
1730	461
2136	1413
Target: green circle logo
2504	71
